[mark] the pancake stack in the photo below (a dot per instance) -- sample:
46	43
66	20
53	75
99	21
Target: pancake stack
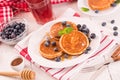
73	43
100	4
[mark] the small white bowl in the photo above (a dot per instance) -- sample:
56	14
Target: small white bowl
17	63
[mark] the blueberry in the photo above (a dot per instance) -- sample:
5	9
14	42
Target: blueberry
22	24
3	36
57	59
14	24
85	52
65	55
13	35
78	26
103	24
17	27
9	32
47	40
92	35
20	31
89	40
53	43
83	26
96	11
22	28
88	48
112	21
47	44
68	25
113	5
64	23
58	37
115	33
86	30
15	30
17	33
55	49
115	28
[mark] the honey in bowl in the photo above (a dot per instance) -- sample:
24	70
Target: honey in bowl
17	61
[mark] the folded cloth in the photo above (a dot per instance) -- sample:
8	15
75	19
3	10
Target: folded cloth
66	73
9	8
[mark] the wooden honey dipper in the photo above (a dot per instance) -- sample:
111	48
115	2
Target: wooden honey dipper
24	74
116	54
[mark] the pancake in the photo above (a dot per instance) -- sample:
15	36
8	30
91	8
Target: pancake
100	4
48	51
74	43
59	26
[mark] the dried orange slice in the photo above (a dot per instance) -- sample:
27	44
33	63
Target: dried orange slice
60	26
74	43
100	4
50	50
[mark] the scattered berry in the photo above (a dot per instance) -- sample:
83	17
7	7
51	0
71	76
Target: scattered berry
112	21
115	33
104	24
115	28
96	11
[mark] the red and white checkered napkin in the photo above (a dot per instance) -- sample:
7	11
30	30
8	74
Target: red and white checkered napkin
66	73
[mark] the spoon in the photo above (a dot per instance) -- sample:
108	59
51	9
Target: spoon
24	74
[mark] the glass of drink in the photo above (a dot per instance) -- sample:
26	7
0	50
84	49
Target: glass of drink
41	10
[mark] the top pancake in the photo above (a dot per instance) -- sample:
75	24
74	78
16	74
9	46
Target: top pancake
100	4
59	26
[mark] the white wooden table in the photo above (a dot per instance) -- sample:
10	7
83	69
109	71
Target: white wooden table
8	52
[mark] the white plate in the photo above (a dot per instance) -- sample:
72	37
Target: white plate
84	3
34	43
